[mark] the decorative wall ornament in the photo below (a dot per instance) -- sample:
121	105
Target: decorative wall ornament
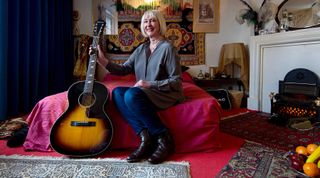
206	16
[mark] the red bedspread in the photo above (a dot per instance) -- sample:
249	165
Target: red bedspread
194	123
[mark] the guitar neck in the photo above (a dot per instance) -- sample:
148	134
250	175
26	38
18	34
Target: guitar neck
88	87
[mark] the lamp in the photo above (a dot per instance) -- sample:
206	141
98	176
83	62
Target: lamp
235	54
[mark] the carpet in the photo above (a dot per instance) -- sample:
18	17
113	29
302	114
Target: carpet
256	126
256	160
230	113
30	166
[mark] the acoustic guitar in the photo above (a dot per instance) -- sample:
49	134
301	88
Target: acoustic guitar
84	129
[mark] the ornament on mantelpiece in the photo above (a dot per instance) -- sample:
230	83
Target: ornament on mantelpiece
248	15
200	75
266	16
263	18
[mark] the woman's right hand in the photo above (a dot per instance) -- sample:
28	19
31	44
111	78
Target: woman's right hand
101	59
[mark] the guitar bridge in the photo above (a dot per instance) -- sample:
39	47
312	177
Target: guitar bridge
86	124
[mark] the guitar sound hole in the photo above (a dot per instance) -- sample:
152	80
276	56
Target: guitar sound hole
87	100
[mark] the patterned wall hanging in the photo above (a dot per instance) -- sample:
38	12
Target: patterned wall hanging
190	46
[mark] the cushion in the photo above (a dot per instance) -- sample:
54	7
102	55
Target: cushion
222	95
9	127
186	77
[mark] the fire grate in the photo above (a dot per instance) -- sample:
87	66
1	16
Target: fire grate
298	97
294	111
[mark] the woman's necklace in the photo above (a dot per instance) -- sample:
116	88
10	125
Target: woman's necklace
154	45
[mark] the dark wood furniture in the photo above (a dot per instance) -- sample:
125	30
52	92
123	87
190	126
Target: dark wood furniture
223	83
217	83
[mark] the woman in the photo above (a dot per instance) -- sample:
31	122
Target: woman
158	72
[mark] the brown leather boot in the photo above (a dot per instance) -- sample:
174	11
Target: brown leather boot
164	149
145	149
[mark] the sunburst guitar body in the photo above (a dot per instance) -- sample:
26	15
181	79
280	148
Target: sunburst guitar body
84	129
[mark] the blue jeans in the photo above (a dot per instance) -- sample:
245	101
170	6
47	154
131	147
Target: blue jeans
138	110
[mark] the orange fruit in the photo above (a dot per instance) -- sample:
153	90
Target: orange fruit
310	169
302	150
311	147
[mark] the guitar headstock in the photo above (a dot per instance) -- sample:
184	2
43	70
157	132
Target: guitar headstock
99	27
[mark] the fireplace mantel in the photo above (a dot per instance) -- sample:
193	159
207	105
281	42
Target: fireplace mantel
273	55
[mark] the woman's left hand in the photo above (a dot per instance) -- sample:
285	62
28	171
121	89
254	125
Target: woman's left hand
142	83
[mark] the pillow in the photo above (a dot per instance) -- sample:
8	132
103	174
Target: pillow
186	77
222	95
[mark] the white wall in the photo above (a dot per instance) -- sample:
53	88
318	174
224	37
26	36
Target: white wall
230	30
85	22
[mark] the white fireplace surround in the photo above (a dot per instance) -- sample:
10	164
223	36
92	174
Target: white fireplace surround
272	56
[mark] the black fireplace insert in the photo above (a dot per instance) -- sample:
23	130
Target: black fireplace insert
298	97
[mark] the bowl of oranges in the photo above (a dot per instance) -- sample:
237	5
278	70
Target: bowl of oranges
306	159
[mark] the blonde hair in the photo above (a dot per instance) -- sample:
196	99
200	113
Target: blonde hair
157	14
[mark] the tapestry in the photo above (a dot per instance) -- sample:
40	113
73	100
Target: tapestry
31	166
257	160
190	46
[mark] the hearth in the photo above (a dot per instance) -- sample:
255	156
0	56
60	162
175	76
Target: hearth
272	56
298	97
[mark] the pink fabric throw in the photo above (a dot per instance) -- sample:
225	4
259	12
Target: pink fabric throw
194	123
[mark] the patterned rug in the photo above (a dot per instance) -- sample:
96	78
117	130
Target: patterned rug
256	161
24	166
256	126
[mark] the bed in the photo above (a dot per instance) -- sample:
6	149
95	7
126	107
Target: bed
194	124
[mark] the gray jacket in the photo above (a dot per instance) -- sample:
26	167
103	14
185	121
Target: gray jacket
161	68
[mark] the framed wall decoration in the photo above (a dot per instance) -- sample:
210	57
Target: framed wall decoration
206	16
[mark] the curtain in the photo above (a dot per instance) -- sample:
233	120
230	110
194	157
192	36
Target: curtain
36	52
